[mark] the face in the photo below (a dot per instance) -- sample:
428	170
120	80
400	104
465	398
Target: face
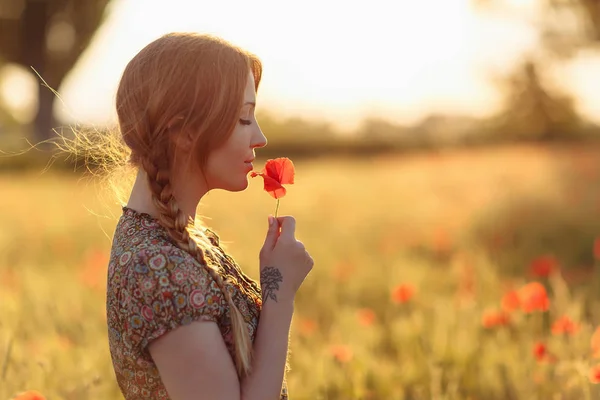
228	166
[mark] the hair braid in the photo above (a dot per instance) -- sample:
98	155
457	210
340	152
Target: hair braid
177	225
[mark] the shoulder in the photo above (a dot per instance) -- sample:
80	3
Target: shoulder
166	261
163	287
160	256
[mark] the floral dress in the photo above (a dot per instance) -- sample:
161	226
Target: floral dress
152	288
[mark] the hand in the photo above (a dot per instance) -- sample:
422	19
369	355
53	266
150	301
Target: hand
284	261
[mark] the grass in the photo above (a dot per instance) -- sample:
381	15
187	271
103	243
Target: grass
413	256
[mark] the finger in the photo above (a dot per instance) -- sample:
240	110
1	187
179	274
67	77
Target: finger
288	227
309	260
272	233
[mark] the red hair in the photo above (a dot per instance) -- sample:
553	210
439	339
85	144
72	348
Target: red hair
185	83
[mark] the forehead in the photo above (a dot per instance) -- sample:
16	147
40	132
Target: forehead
250	92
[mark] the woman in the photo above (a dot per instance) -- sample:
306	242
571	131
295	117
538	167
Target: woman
183	319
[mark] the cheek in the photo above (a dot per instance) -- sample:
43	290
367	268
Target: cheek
220	168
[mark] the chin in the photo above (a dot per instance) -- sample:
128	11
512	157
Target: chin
238	186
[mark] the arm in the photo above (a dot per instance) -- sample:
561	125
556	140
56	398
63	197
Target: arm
194	363
270	351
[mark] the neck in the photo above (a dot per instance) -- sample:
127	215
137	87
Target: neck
141	198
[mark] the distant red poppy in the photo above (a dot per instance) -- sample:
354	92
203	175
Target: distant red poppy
30	395
594	375
543	266
366	316
308	326
564	325
494	318
541	353
403	293
341	353
277	172
533	297
95	264
510	301
343	270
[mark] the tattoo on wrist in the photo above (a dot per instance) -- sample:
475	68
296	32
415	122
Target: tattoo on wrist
270	278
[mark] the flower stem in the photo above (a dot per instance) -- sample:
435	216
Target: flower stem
276	208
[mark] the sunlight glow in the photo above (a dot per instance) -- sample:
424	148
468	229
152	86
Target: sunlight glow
333	60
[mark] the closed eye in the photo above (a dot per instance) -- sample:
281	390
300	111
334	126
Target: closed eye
245	121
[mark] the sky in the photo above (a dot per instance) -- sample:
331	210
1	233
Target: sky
339	61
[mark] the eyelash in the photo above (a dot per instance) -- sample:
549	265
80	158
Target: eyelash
245	121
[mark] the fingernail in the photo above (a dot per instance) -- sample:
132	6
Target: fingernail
270	220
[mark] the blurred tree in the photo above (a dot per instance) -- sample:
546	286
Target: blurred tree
294	130
379	128
48	36
565	26
533	110
387	133
533	106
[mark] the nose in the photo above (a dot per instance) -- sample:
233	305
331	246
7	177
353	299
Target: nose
259	139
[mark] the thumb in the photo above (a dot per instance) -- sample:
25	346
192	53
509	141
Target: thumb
272	233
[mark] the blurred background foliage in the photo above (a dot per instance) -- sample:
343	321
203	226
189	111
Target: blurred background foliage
47	37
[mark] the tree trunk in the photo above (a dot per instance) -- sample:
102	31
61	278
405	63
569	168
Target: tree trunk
44	119
34	55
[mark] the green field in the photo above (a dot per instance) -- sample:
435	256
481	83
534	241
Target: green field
459	229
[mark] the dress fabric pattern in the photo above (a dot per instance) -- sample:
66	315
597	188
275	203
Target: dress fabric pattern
153	287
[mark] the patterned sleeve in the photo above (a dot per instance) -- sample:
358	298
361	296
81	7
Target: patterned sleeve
165	288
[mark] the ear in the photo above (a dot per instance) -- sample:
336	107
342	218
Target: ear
182	141
183	137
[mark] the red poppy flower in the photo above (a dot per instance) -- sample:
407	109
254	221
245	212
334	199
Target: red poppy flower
539	351
341	353
277	172
366	316
510	301
564	325
543	266
308	326
595	374
533	297
403	293
30	395
494	318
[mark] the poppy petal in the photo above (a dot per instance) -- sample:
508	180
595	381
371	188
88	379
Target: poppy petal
274	188
280	169
271	186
